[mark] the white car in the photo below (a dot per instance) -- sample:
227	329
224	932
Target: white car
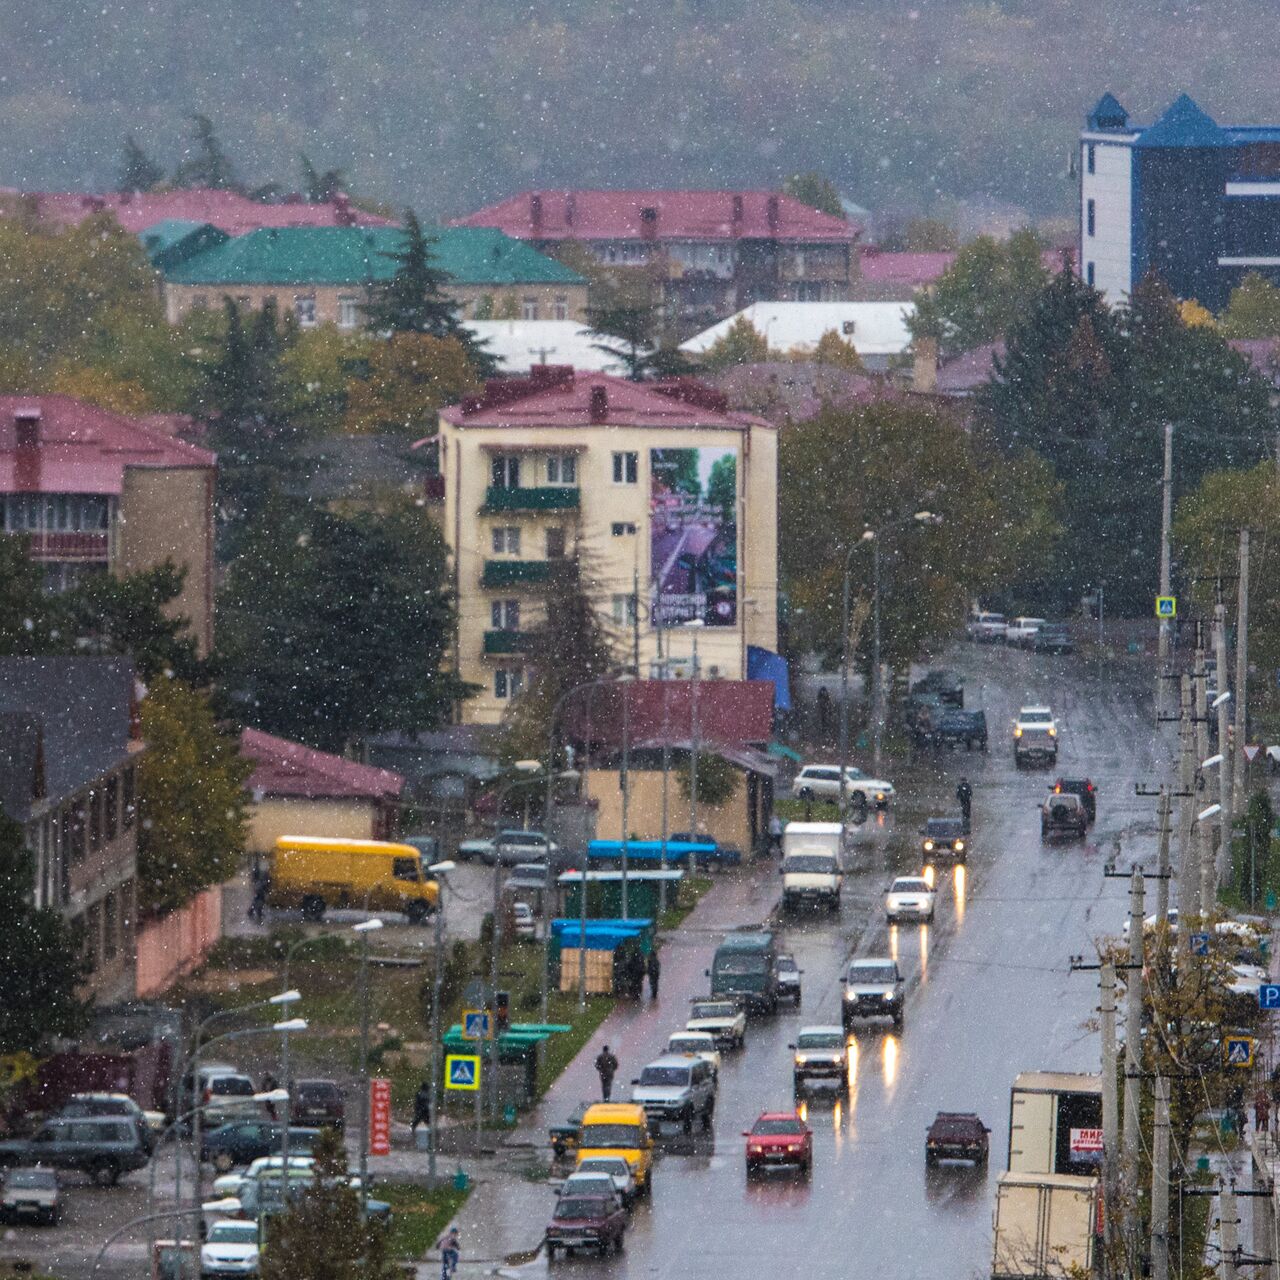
822	781
909	898
230	1184
230	1249
617	1168
724	1021
1021	632
700	1044
525	924
986	628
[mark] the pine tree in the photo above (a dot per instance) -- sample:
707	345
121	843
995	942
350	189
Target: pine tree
207	165
138	172
320	188
817	191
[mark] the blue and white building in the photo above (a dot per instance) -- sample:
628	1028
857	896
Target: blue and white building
1195	202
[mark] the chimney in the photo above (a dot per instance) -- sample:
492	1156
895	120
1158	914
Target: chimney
924	369
26	421
772	213
570	208
738	212
649	222
535	211
343	214
599	403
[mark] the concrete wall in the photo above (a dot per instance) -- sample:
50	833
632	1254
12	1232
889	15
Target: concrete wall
174	945
276	816
729	824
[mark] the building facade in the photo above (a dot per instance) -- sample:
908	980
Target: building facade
1191	201
323	275
669	498
98	492
69	751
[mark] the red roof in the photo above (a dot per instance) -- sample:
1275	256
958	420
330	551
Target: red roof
233	213
913	269
969	370
79	448
556	396
283	768
675	215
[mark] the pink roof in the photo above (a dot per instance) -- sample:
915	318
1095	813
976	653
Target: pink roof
914	269
233	213
969	370
556	396
678	215
80	448
283	768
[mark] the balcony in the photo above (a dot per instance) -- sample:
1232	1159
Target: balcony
547	498
80	548
504	642
515	573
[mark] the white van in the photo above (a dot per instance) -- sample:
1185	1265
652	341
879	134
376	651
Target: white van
811	870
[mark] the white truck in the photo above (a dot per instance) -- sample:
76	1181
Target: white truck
811	870
1045	1225
1055	1123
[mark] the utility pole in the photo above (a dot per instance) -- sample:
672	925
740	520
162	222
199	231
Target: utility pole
1226	766
626	794
1162	856
844	692
1133	1039
1160	1183
1228	1234
1200	718
1110	1105
1240	693
876	673
635	621
1188	876
1166	520
693	744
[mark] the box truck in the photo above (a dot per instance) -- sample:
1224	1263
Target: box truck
313	872
1055	1123
1045	1224
811	870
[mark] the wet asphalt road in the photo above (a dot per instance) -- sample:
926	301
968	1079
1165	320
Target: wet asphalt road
989	994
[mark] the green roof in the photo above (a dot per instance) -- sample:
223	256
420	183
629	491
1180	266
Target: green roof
361	255
172	241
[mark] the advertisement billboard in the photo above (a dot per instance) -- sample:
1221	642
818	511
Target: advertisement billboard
379	1117
693	552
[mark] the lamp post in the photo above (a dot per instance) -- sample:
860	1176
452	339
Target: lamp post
694	626
845	591
440	869
364	929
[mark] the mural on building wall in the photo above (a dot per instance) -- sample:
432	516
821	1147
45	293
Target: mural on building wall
693	553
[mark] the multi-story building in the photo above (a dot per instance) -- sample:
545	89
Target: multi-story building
69	749
1191	201
668	496
714	251
322	275
99	492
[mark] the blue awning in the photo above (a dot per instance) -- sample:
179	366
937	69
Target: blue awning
764	664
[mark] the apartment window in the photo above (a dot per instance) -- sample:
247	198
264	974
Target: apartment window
1091	158
111	808
624	609
505	471
1088	273
506	540
110	926
562	468
348	312
555	542
621	528
528	308
507	682
304	311
505	615
95	819
1091	218
626	468
560	307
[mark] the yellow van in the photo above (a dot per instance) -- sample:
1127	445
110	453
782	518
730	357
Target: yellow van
619	1129
313	873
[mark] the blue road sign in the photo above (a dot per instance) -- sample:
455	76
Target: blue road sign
477	1024
1238	1050
1269	995
1199	944
461	1071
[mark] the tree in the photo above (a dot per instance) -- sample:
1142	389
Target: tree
924	235
718	780
741	343
817	191
27	624
321	188
834	350
99	386
138	172
408	378
1253	310
631	332
336	626
316	374
41	956
322	1234
206	163
191	801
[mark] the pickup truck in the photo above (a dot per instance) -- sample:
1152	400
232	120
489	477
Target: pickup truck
954	727
957	1135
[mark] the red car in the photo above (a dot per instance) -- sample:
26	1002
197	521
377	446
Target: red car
586	1222
778	1138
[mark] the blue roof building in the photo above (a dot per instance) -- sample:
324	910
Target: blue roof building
1195	202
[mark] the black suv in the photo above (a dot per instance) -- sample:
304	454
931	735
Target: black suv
954	727
103	1147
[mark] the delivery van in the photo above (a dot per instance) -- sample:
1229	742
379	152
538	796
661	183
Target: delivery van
811	871
619	1129
744	967
313	873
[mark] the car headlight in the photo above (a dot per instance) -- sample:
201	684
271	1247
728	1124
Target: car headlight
1017	733
801	1059
888	995
879	795
928	846
959	846
1053	733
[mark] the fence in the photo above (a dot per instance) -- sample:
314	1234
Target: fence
174	945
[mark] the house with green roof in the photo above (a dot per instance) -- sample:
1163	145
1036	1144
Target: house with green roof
323	274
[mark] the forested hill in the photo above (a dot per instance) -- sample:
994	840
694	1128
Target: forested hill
449	103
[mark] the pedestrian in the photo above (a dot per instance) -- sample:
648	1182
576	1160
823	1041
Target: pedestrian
964	793
654	969
1261	1111
450	1247
261	882
269	1085
775	834
421	1107
606	1069
1235	1109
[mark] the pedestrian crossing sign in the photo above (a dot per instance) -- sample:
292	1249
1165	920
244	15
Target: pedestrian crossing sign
477	1024
1238	1051
1166	606
462	1071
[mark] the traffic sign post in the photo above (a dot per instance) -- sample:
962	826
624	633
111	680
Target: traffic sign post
1238	1051
1199	943
477	1024
462	1071
1269	995
1166	606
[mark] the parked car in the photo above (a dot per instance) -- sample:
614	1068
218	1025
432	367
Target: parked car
588	1182
822	782
534	876
229	1184
956	1135
789	974
1063	814
478	848
873	988
515	846
954	727
946	684
31	1195
586	1222
676	1089
909	898
944	838
820	1054
1053	637
245	1140
230	1249
102	1147
525	924
698	1044
724	1020
1021	632
222	1092
1082	787
779	1138
617	1168
316	1103
986	628
150	1123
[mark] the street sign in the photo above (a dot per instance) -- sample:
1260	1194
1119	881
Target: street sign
477	1024
1269	995
462	1071
1166	606
1199	943
1086	1142
379	1117
1238	1051
1251	751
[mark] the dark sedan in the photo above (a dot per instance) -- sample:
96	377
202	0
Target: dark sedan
586	1222
243	1141
316	1103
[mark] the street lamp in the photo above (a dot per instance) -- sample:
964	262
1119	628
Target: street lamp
845	591
439	869
694	625
364	929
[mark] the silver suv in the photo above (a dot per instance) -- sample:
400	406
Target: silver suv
678	1089
873	988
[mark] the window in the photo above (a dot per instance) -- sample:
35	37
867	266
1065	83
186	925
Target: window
624	609
93	933
560	308
505	472
348	312
626	468
304	311
1088	272
405	868
1091	158
95	819
621	528
129	811
555	542
506	540
505	615
110	927
1091	216
507	682
562	468
111	808
528	308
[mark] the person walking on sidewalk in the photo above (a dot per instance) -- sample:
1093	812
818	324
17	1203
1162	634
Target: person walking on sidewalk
964	793
775	836
450	1247
421	1108
1261	1111
654	969
606	1069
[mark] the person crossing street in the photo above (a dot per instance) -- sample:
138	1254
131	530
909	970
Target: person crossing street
606	1069
964	793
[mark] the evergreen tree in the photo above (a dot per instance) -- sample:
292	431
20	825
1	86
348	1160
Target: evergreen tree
207	164
741	343
321	188
817	191
27	624
138	172
637	340
41	957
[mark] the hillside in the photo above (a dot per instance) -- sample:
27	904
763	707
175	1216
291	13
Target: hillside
447	104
